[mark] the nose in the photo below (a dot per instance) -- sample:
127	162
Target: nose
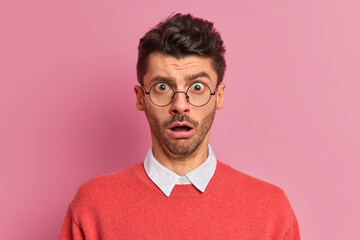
180	105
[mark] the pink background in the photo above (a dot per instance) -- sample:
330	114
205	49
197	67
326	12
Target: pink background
67	107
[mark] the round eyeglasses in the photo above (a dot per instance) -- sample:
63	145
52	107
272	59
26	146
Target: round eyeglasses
197	94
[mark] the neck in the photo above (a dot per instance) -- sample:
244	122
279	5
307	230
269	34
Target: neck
181	165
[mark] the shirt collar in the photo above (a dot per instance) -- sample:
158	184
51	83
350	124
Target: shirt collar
166	179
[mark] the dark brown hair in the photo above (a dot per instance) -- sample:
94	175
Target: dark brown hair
181	36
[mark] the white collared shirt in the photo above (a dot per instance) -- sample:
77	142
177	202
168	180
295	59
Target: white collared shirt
166	179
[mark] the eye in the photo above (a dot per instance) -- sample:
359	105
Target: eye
162	87
197	87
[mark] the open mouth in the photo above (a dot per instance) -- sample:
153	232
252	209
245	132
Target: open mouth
181	128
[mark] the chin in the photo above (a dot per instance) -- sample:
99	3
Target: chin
185	148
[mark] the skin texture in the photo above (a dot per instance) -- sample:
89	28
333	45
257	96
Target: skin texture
184	154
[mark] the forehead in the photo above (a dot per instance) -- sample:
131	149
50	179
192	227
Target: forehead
164	66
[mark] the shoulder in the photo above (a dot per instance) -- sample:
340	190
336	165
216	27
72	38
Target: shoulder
107	186
247	181
251	189
124	176
262	202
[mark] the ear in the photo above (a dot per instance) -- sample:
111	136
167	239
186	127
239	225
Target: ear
140	105
220	96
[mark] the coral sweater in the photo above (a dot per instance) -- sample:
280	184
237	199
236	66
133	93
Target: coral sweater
128	205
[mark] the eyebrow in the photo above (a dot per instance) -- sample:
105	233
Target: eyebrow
197	75
189	78
162	79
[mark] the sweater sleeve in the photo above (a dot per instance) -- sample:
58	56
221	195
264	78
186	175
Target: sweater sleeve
70	230
293	233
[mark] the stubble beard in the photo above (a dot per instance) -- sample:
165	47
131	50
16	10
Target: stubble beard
180	147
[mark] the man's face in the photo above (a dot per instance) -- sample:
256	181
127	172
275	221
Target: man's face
179	128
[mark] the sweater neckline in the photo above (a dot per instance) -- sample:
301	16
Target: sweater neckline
166	180
179	190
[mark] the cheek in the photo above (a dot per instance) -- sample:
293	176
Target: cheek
204	111
207	114
154	115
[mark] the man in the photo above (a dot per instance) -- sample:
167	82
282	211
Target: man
180	191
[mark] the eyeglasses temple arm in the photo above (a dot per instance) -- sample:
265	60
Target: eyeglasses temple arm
144	91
